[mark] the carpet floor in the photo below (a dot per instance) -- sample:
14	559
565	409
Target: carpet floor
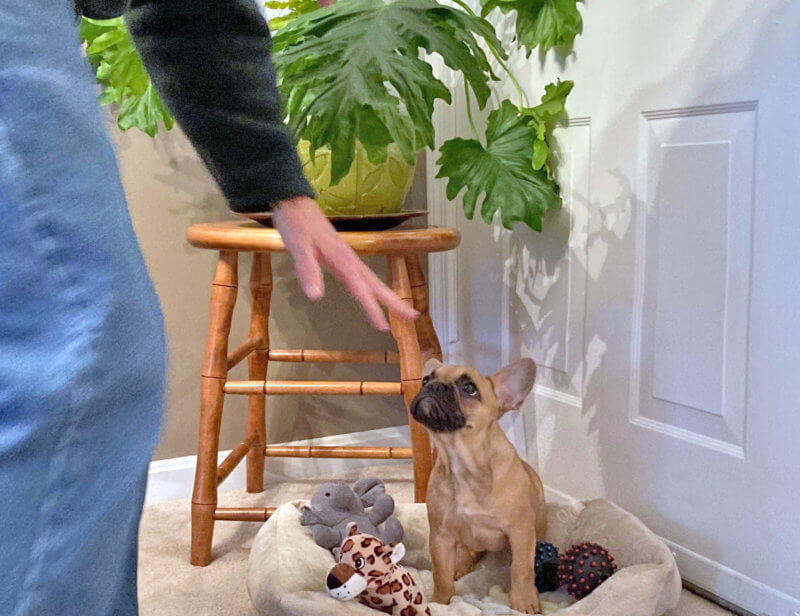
170	586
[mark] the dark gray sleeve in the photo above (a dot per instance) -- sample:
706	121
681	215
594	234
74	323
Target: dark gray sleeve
210	62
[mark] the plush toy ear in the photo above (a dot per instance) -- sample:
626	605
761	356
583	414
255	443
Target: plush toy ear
352	529
513	383
431	365
368	489
398	552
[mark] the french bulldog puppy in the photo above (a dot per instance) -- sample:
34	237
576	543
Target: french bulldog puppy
482	497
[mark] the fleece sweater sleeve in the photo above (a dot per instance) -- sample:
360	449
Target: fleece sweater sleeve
210	62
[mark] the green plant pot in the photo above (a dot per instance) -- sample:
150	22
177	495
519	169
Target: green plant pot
366	189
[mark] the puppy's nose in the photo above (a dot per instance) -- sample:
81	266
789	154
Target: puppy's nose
425	406
332	582
437	387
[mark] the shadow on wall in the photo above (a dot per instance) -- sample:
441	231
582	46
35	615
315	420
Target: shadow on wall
168	189
587	429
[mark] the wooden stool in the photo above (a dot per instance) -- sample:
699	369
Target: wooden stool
402	248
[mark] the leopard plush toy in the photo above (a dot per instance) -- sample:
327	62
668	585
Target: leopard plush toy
368	571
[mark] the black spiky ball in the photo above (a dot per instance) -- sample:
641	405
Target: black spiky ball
584	567
547	561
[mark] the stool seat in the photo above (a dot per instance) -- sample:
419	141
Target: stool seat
249	236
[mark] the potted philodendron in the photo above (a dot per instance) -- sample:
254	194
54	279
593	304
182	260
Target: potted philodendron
360	96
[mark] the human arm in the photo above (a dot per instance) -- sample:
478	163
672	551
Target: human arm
210	62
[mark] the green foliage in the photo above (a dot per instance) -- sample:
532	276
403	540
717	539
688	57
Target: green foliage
353	72
541	23
539	118
120	70
512	169
501	170
295	8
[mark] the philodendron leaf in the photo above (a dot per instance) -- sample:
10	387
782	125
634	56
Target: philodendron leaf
144	112
120	72
552	104
293	8
553	100
501	170
544	23
353	71
541	150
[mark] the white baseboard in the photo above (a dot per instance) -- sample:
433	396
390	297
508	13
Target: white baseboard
552	495
174	477
731	585
719	580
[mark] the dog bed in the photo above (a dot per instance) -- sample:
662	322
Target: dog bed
287	570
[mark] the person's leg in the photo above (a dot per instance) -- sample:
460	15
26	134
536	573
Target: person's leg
81	337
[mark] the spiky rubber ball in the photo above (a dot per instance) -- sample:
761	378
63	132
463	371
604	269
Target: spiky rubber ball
546	568
584	567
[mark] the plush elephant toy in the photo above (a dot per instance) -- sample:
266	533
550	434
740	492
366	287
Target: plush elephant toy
335	505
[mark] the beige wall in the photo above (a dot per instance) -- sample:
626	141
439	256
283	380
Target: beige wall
169	189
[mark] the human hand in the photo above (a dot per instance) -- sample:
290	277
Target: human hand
313	242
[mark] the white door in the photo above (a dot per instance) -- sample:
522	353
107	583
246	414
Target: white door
662	305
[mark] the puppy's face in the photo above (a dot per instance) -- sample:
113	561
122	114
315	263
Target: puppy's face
456	398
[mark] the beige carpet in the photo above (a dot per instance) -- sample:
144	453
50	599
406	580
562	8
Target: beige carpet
170	586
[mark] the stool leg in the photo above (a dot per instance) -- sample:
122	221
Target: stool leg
212	383
260	292
428	341
405	333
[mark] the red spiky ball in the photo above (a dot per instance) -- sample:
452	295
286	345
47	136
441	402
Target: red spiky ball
584	567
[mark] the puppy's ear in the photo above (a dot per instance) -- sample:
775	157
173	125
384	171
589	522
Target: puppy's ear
431	365
513	383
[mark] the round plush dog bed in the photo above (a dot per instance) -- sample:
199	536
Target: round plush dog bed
287	570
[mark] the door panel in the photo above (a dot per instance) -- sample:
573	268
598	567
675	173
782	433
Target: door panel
690	332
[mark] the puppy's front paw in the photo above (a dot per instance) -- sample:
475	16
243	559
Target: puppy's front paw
525	602
442	597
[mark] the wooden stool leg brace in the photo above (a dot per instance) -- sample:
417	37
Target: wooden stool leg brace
428	341
415	341
405	334
212	394
260	292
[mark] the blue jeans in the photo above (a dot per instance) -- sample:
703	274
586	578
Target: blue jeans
81	334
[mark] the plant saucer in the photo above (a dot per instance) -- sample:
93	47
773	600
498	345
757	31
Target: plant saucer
357	222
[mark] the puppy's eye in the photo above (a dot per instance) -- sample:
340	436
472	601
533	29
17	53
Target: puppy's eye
469	388
425	380
358	563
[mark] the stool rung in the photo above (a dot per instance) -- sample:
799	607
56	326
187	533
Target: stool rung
381	453
243	350
233	459
244	514
315	388
344	357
